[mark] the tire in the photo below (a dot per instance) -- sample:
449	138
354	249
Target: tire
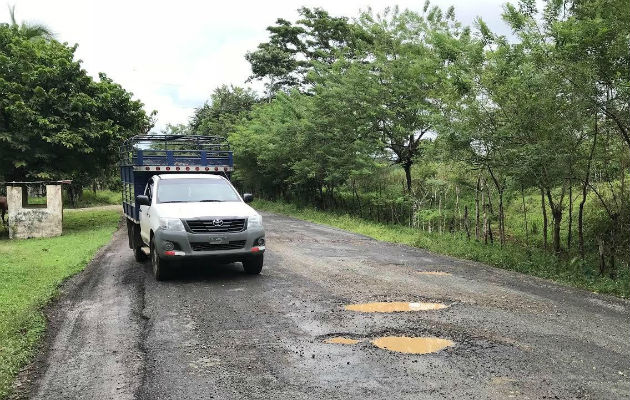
253	265
139	255
161	270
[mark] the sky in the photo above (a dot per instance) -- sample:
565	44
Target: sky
171	55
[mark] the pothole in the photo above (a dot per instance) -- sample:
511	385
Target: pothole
412	345
436	273
397	306
341	340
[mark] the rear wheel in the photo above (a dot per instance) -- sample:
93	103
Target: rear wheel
253	265
139	254
161	270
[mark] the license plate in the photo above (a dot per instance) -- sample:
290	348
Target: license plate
218	240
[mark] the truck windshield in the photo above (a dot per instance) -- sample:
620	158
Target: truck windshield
195	190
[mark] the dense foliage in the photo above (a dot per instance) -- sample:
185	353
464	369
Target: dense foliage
411	118
55	120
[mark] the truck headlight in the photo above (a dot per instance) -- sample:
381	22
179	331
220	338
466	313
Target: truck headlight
255	221
172	224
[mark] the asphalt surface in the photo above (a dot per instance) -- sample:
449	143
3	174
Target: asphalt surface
216	333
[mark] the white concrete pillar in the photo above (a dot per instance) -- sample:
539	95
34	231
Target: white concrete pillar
54	206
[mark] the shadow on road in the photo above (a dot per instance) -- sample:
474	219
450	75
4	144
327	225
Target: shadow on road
194	272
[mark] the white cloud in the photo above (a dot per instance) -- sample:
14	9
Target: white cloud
171	55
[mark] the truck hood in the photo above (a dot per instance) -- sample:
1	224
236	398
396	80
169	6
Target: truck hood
201	210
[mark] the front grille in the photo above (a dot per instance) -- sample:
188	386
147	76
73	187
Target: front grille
215	226
204	246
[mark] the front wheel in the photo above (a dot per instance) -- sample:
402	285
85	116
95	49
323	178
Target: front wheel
253	265
161	270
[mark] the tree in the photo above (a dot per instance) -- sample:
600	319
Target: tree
397	85
30	30
177	129
592	42
228	104
54	117
287	58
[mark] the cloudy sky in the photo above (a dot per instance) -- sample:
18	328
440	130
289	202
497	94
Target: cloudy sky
172	54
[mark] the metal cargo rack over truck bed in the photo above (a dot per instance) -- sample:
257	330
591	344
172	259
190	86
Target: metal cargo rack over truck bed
143	156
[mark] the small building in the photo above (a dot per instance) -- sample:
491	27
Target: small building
34	220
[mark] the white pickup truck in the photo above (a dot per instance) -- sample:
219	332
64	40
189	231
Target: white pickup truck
198	216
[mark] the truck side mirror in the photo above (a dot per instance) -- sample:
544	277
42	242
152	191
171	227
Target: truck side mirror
248	197
143	200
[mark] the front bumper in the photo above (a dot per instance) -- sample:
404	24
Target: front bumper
187	245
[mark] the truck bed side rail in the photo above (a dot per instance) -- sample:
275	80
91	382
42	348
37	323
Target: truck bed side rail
143	155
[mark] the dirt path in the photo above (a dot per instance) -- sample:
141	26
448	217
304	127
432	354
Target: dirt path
217	333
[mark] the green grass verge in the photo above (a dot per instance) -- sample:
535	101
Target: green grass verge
30	274
514	257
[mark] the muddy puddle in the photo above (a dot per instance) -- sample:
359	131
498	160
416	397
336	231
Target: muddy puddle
412	345
341	340
398	306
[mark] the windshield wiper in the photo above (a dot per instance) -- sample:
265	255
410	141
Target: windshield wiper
211	201
174	201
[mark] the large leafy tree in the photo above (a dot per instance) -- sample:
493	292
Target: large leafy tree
398	83
592	39
55	120
286	59
227	106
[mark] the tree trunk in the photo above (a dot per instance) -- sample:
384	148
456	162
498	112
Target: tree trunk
485	218
485	223
570	227
556	214
557	219
466	223
525	216
501	220
500	189
407	168
442	215
585	183
491	211
459	212
477	217
544	213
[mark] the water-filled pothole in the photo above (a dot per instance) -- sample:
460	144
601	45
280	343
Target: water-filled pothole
412	345
341	340
397	306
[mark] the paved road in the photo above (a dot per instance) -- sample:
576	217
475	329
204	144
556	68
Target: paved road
216	333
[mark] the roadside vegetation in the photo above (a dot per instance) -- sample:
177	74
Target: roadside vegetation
88	198
409	119
516	257
31	272
57	122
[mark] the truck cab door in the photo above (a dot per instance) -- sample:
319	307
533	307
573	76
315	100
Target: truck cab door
145	214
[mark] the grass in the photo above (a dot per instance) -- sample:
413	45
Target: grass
100	198
515	257
31	272
88	199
